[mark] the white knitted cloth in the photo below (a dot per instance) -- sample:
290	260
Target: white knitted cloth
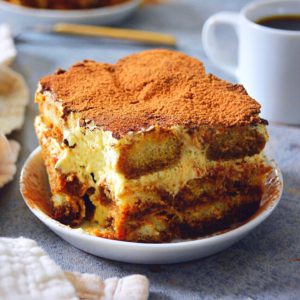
28	273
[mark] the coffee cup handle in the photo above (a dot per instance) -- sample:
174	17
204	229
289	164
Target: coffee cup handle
209	40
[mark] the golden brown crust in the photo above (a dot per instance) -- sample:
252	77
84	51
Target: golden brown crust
156	87
238	213
72	212
150	152
232	143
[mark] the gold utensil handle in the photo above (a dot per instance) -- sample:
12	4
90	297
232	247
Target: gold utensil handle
116	33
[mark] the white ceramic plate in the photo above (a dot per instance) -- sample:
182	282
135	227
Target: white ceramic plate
26	16
35	190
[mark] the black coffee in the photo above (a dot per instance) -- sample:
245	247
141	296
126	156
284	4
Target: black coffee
285	22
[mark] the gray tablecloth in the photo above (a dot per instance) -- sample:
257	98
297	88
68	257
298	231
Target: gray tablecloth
261	266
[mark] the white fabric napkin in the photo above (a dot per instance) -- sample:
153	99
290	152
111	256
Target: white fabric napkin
28	273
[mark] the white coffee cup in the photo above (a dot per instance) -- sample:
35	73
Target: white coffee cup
268	59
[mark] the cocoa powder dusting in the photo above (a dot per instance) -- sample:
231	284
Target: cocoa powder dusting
155	87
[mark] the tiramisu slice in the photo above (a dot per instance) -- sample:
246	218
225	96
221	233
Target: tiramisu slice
151	148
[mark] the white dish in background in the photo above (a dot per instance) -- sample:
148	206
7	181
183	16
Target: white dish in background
35	190
25	16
